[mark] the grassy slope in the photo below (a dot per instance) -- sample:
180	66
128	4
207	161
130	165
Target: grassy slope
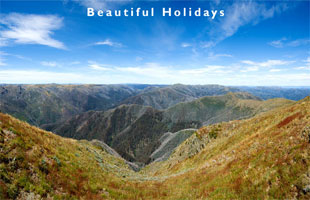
266	156
37	162
214	109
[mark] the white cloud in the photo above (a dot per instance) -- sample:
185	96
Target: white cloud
98	67
97	4
250	69
285	43
14	55
184	45
101	4
172	73
108	42
252	66
49	63
75	63
290	79
299	42
166	74
303	68
274	79
275	70
34	76
208	44
242	13
268	63
3	41
209	69
153	70
239	14
57	64
277	43
155	73
248	62
215	56
31	29
306	66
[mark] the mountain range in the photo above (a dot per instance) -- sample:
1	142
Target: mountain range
262	157
131	118
134	131
42	105
137	141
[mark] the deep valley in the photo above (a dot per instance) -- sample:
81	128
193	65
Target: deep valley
153	142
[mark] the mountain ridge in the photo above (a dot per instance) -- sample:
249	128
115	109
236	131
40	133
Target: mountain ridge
134	130
163	98
266	156
45	104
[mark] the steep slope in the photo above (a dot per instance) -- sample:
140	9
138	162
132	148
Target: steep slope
265	157
36	163
169	141
44	104
134	131
209	110
162	98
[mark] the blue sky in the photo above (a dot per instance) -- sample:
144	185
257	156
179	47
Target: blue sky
256	43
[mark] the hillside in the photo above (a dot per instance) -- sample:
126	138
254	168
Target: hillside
267	156
165	97
264	157
36	163
44	104
210	110
168	142
134	131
